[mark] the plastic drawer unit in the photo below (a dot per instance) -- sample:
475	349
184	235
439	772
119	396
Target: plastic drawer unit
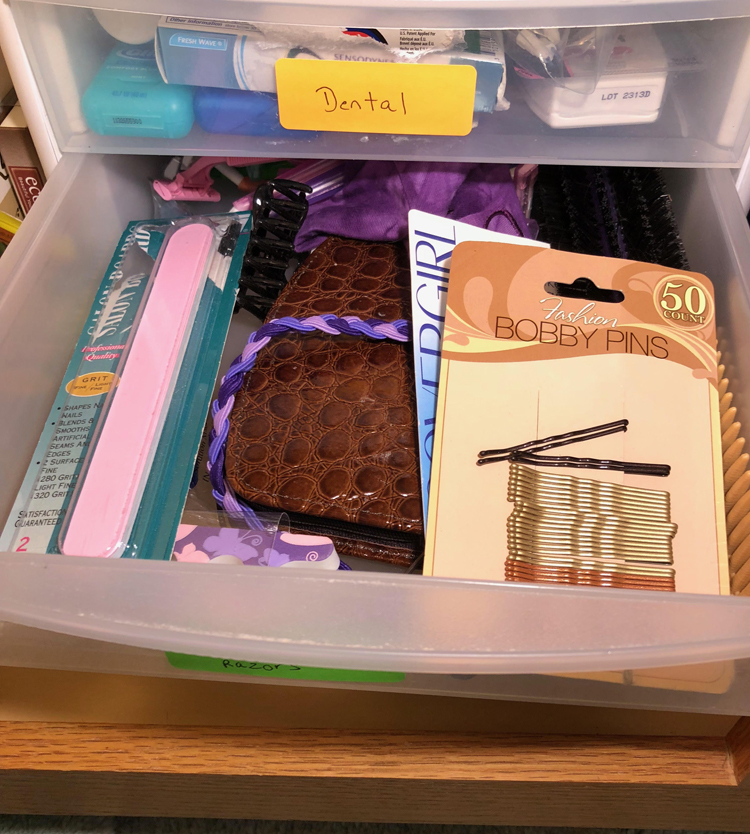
445	636
662	83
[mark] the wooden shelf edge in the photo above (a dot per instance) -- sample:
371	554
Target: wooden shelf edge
376	800
738	744
148	750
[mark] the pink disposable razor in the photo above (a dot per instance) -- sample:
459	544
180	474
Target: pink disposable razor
110	493
196	183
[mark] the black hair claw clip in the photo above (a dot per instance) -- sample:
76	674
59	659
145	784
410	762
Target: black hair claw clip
279	210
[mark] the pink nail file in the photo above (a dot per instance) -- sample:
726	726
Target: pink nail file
107	500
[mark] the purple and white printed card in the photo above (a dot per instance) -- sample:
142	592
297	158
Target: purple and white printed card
229	546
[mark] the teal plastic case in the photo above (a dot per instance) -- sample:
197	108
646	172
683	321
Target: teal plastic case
129	98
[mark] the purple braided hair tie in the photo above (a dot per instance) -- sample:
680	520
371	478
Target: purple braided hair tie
221	408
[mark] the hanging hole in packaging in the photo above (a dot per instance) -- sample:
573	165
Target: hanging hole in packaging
586	289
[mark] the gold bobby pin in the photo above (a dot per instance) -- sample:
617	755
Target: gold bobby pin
595	521
626	506
655	503
558	544
519	567
604	505
623	567
584	485
593	564
515	573
581	531
612	561
551	546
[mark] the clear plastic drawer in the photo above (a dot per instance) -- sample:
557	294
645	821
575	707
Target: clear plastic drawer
462	637
617	85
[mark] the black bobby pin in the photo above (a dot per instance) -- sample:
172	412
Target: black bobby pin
528	453
553	442
543	448
658	470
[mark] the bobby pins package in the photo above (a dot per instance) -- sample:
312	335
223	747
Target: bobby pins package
578	434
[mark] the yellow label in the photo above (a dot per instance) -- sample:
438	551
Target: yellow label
364	97
91	385
9	223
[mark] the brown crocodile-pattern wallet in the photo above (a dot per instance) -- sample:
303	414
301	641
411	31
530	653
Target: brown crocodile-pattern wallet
324	427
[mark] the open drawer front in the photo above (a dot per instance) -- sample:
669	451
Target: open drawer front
447	636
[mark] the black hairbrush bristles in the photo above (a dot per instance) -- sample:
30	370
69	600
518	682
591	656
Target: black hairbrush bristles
648	217
614	212
567	209
548	209
616	244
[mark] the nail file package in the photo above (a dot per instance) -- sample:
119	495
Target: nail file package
578	424
113	466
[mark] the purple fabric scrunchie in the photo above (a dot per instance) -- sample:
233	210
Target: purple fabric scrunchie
376	199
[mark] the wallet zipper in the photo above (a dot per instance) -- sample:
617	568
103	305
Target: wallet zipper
358	532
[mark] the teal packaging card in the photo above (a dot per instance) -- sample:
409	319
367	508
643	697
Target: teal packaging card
38	514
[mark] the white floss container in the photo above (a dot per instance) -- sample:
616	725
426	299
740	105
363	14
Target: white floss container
629	92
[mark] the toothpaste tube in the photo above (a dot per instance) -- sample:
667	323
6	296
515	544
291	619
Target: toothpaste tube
242	56
405	41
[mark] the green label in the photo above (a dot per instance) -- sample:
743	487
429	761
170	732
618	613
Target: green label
278	670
